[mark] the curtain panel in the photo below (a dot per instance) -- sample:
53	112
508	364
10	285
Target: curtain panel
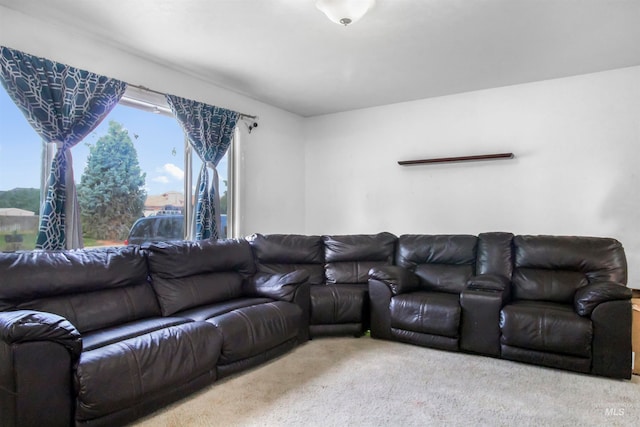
210	132
63	104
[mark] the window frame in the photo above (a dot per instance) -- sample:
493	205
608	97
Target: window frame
156	103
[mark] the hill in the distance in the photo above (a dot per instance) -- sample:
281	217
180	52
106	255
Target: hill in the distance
21	198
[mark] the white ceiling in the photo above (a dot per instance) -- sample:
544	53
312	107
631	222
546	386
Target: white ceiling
288	54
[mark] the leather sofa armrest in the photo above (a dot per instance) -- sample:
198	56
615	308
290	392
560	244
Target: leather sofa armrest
28	325
398	279
39	353
281	287
587	298
481	301
489	283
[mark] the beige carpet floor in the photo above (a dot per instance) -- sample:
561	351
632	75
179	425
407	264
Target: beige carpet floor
366	382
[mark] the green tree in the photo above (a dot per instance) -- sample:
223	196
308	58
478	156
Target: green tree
111	193
223	199
21	198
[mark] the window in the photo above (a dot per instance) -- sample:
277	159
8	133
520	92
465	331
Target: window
103	168
20	164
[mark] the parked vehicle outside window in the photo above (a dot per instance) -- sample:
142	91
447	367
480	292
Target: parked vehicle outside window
162	228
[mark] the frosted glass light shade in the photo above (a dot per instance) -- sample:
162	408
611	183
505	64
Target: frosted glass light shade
344	12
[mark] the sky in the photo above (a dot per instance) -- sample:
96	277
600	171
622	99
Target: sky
159	144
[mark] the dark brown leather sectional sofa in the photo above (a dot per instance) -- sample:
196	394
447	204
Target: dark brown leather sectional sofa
104	336
549	300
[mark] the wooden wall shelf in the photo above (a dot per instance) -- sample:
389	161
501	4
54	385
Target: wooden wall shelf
457	159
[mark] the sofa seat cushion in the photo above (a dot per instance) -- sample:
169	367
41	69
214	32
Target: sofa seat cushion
546	326
120	375
212	310
435	313
336	304
102	337
251	330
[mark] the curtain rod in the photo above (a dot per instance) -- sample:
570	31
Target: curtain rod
242	115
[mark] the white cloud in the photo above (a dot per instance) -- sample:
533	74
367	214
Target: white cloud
168	173
161	179
174	171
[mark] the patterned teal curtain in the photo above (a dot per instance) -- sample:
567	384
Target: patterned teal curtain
63	104
210	132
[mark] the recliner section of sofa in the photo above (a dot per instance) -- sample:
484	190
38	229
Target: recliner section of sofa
119	332
338	268
341	306
418	300
282	254
256	317
132	360
557	301
569	306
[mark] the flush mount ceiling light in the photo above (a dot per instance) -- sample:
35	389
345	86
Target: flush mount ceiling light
344	12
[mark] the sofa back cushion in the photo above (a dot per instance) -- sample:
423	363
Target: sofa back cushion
187	274
552	268
92	288
443	263
350	257
284	253
495	254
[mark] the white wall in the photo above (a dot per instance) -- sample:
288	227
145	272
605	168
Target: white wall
576	141
272	156
577	147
